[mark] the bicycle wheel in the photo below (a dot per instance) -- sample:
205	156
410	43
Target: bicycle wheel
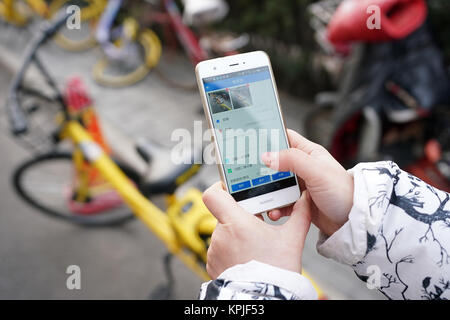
125	73
46	183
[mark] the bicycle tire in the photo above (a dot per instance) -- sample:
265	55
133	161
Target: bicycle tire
152	48
76	46
102	219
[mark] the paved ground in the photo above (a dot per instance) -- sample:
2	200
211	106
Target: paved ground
125	262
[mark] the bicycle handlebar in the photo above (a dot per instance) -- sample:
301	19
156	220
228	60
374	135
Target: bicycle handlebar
16	114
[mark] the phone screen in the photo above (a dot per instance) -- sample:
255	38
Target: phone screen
247	123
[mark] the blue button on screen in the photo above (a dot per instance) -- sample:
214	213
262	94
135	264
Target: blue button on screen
260	180
280	175
240	186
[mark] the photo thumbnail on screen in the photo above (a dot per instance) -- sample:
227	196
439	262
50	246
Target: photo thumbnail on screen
241	97
220	101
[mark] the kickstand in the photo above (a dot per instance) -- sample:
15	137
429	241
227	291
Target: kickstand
165	291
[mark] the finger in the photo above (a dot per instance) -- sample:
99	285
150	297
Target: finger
274	215
300	219
222	205
294	160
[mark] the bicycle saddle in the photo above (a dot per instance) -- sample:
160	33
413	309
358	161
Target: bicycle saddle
152	164
375	20
167	168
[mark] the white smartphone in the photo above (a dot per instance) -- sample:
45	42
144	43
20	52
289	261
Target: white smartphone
242	107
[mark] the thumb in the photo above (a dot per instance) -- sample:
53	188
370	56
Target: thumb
300	219
294	160
222	205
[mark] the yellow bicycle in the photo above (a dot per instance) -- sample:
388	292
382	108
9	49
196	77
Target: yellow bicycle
100	186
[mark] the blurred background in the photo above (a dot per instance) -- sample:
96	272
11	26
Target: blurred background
365	94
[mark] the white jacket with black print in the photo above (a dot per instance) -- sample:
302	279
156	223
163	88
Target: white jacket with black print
399	227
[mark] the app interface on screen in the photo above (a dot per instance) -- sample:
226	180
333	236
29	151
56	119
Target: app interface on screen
247	122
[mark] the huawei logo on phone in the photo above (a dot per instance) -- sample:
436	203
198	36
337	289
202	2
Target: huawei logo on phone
266	201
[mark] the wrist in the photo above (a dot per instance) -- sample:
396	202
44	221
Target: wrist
287	260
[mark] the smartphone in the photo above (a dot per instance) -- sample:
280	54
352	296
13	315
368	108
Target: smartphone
242	107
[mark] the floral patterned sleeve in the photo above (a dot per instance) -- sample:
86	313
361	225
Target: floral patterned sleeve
397	238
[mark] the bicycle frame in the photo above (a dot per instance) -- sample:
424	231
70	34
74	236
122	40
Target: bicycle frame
104	31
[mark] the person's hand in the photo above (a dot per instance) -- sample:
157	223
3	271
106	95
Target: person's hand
328	183
240	237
